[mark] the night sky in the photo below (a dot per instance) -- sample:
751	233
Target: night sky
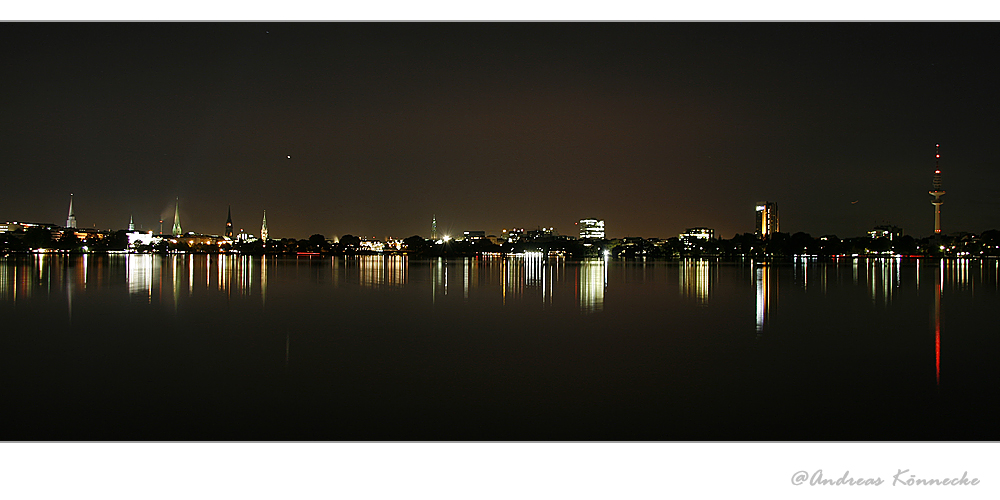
654	127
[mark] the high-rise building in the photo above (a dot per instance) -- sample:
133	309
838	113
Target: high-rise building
937	193
591	229
263	227
177	231
434	228
229	224
71	218
767	219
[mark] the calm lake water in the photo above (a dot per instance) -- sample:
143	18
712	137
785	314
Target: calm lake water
206	347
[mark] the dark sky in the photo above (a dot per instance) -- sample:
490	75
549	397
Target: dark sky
653	127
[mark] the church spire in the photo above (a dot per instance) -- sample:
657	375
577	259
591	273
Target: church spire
131	225
71	218
263	227
177	219
229	223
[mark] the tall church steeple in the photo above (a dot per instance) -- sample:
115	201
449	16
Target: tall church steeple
131	225
263	227
229	224
177	219
71	218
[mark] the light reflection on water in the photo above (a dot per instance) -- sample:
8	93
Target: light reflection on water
515	278
515	333
762	280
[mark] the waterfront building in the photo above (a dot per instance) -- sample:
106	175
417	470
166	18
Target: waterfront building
541	234
13	227
512	236
767	219
886	231
591	229
136	238
695	238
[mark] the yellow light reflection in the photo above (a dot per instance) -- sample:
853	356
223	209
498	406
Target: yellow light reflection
693	280
593	275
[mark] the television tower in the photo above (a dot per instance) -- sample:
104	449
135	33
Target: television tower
434	227
937	193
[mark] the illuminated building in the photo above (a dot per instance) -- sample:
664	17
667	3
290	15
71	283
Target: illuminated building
475	235
131	224
541	234
891	232
229	224
591	229
371	245
71	219
11	227
937	193
138	238
245	237
263	227
767	219
177	231
513	236
393	244
695	237
434	227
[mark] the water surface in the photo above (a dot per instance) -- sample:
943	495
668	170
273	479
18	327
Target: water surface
195	347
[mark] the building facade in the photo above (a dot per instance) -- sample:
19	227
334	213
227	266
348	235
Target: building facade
591	229
767	219
891	232
694	238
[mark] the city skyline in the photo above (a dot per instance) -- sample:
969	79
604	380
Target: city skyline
373	129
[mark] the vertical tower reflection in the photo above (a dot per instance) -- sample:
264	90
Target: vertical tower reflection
763	281
263	282
938	280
